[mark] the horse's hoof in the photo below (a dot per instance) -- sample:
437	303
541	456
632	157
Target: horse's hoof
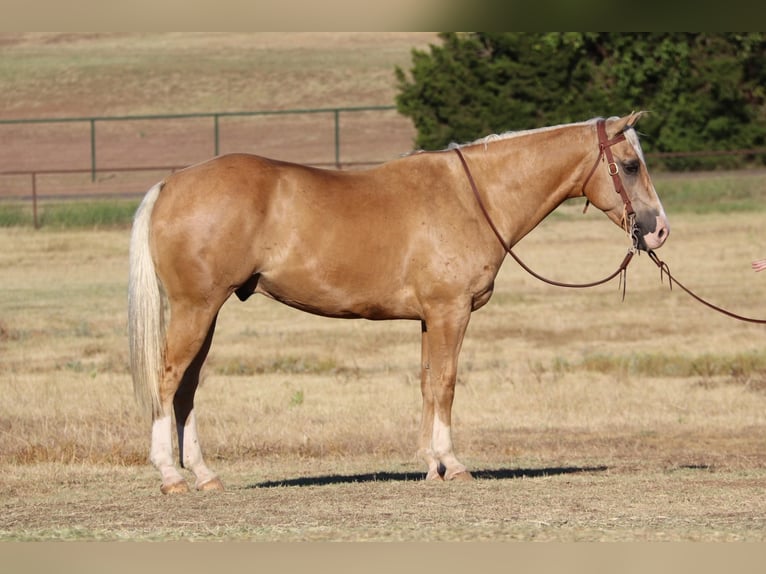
433	475
212	484
461	475
176	488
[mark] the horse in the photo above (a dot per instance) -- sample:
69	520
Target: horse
406	239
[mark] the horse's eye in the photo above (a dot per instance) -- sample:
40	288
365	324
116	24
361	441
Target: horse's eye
631	167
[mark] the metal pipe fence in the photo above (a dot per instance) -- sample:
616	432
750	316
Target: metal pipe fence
94	169
35	197
215	117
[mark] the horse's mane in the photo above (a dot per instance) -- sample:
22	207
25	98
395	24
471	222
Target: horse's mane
513	134
629	134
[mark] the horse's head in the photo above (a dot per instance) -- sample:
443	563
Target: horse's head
620	186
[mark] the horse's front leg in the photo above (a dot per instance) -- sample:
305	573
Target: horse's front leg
442	339
427	419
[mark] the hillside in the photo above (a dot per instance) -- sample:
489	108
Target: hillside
59	75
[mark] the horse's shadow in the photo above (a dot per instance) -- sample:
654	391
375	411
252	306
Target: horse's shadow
495	474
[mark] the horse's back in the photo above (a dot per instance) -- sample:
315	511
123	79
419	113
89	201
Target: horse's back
230	174
251	184
269	192
368	243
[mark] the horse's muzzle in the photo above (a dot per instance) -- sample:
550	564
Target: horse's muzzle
655	238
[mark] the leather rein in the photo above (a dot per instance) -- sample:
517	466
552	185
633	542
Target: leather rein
605	152
665	271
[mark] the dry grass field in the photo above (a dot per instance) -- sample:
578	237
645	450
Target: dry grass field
583	417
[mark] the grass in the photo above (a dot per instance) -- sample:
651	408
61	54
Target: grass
12	215
100	213
284	364
735	367
730	192
88	214
567	404
392	511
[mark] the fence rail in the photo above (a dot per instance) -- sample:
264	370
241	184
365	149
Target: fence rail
214	116
170	164
35	197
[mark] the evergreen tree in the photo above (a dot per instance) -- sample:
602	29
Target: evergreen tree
704	91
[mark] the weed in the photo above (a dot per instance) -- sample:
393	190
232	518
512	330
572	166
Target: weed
75	366
287	364
84	329
297	398
9	334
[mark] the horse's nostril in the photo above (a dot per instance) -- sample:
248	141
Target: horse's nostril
662	234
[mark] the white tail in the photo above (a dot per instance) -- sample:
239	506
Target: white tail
146	314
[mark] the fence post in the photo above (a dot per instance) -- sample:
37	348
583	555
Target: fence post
337	138
215	135
93	149
34	201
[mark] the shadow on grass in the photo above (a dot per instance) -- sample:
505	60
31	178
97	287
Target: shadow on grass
497	474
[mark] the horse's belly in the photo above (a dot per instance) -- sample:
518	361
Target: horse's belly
347	300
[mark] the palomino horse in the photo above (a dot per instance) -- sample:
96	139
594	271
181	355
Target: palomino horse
405	240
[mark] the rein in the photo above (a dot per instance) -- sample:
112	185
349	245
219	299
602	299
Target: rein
604	151
665	271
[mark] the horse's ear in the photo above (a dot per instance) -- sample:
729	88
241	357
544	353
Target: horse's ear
634	117
619	125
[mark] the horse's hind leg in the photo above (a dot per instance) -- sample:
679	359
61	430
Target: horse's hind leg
189	331
190	453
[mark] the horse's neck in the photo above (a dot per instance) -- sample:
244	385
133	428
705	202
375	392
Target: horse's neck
524	178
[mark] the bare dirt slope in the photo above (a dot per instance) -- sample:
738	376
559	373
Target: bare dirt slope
60	75
106	75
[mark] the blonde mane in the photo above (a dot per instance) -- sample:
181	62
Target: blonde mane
630	135
517	133
486	140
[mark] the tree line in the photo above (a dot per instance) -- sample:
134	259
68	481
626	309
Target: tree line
706	92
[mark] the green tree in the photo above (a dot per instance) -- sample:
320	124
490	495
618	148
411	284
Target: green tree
475	84
705	91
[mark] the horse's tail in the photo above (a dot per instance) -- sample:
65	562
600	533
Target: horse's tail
146	310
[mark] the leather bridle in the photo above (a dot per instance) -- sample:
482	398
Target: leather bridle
605	151
604	145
